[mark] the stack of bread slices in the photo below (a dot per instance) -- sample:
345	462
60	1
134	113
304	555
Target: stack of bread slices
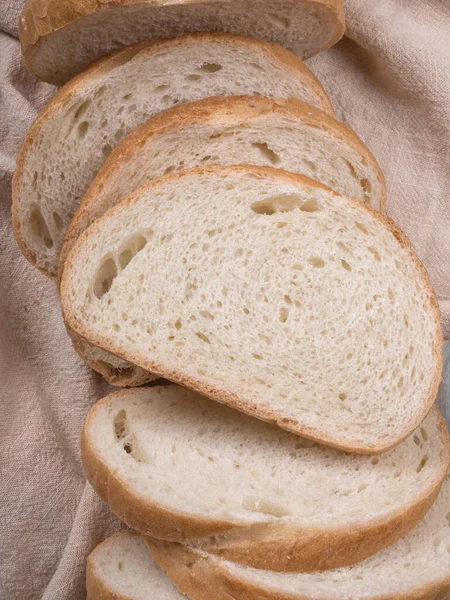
211	223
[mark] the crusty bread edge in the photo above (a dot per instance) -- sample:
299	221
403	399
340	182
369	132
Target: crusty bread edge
203	577
230	398
126	377
225	111
97	587
41	18
308	549
284	57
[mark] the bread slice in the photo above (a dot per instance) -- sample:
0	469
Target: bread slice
77	130
60	38
177	466
121	568
286	133
267	291
416	568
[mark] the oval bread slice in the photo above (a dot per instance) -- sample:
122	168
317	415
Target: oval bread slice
177	466
287	134
78	129
269	292
416	568
121	568
60	38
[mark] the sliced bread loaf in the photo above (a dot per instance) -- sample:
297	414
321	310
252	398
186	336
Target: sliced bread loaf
416	568
77	130
121	568
267	291
288	134
60	38
177	466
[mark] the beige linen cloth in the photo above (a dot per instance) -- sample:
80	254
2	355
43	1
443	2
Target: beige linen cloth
389	79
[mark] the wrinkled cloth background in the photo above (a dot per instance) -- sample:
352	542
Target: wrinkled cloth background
389	79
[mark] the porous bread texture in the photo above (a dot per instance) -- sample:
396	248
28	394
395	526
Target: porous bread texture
287	134
269	292
121	568
79	128
62	37
416	568
177	466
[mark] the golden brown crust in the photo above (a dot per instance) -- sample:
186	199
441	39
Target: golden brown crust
41	18
277	546
286	58
222	110
96	586
230	398
202	577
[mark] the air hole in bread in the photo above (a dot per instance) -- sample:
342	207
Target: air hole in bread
119	135
352	169
424	434
207	315
422	463
80	111
82	130
367	188
39	227
101	90
342	396
161	88
375	252
362	228
345	265
257	356
284	314
278	21
312	165
267	152
193	77
317	262
343	247
120	425
120	566
203	337
58	221
310	206
375	460
282	204
105	277
169	170
106	150
127	97
210	67
264	507
128	447
167	99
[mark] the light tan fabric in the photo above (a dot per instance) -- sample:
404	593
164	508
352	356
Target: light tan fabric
390	80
